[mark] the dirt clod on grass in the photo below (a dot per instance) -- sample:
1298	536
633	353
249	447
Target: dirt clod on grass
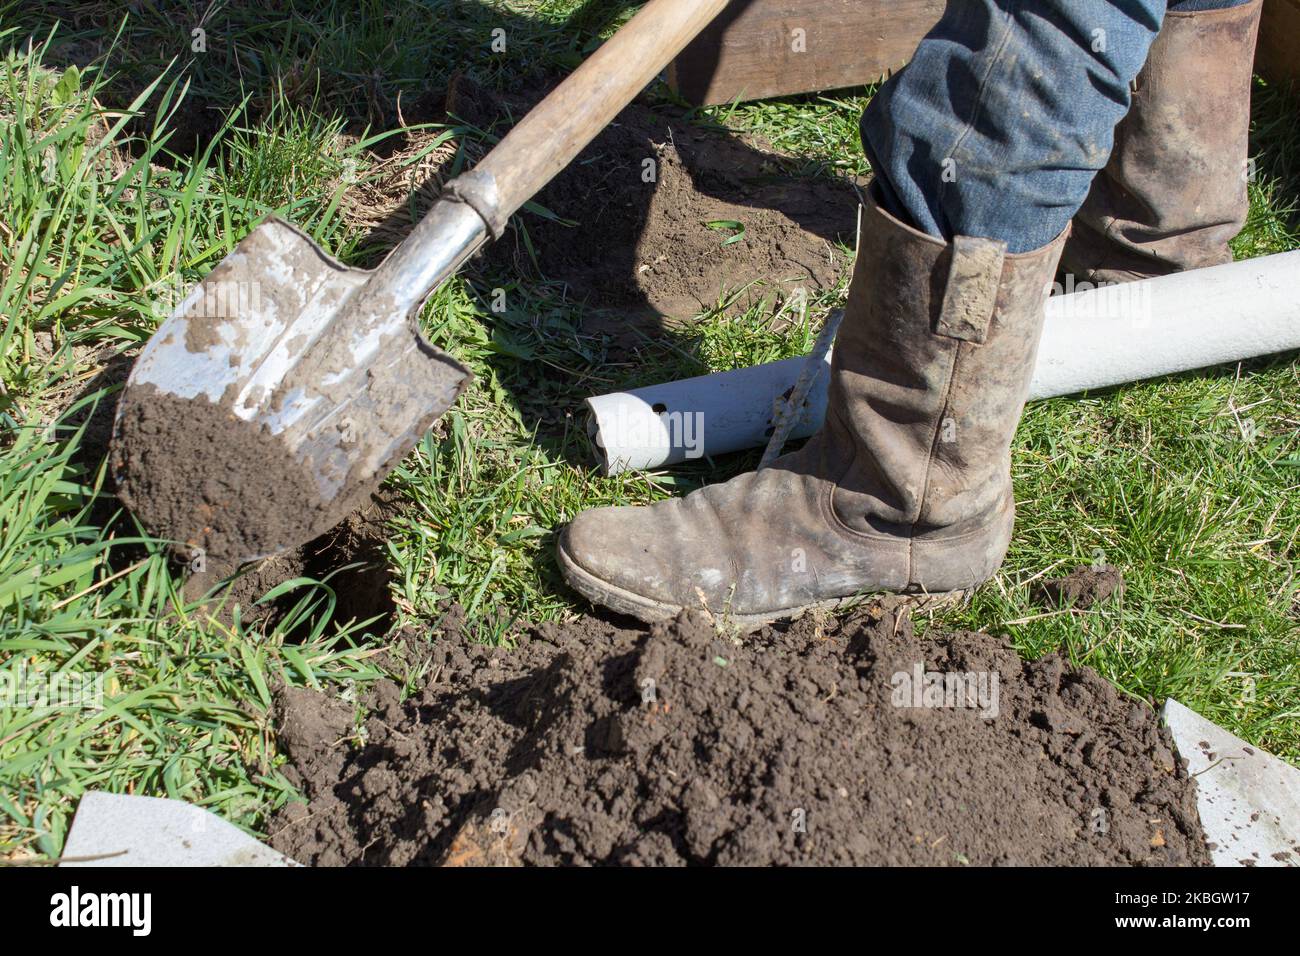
1083	587
824	743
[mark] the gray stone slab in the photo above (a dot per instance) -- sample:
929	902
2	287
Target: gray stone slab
1249	800
113	829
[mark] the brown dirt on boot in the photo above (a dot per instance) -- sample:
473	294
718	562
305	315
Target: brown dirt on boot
1174	192
907	486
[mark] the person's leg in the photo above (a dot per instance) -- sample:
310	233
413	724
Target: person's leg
907	485
905	488
1174	191
999	123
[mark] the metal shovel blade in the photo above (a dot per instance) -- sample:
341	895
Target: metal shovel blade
114	829
279	393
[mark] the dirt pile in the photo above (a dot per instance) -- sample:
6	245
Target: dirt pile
832	743
659	216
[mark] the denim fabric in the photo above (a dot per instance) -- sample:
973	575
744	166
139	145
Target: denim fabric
1194	6
1007	111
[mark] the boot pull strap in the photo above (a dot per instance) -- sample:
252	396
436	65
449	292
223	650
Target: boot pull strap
972	293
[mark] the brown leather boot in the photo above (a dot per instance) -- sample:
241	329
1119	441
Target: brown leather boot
907	486
1174	192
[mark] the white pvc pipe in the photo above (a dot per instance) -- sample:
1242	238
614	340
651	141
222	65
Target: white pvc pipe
1092	339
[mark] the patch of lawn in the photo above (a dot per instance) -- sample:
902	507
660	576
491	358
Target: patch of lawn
99	226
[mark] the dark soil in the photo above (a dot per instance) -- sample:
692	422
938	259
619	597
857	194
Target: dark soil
646	247
351	558
194	473
591	744
1083	587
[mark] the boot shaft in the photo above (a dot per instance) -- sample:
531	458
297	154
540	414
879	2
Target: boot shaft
1174	192
931	369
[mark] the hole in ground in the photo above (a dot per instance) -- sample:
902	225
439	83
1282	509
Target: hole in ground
350	558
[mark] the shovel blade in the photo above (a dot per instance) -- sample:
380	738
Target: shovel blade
272	401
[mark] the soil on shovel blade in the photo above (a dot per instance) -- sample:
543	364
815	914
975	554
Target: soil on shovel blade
825	743
191	470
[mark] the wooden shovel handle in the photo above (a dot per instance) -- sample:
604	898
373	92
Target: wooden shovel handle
558	128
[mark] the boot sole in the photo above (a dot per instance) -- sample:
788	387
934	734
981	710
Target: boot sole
622	601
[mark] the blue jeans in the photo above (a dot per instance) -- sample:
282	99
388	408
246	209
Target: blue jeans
1007	111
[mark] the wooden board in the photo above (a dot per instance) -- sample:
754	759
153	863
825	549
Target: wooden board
1278	54
755	49
749	52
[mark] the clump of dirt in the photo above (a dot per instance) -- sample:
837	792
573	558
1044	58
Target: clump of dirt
1083	587
659	216
822	743
195	473
350	558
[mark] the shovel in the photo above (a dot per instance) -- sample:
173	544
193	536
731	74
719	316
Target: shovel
286	385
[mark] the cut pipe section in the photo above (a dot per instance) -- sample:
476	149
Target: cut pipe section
1094	337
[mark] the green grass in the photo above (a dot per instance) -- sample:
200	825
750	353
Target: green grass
107	207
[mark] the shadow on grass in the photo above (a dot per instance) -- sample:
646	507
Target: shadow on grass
1275	145
353	58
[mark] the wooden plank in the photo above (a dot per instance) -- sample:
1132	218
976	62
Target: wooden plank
762	48
750	52
1278	53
